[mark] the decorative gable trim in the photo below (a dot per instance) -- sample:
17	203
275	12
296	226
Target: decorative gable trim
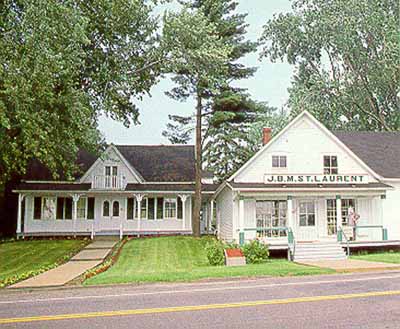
112	147
322	128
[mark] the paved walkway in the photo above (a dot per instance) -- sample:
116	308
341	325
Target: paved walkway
91	256
351	265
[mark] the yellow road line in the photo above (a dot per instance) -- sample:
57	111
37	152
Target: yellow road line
196	307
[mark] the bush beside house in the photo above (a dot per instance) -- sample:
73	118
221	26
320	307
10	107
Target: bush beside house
255	252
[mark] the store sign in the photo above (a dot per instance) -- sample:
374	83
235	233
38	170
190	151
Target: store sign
315	179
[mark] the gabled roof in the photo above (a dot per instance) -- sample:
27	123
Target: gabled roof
161	163
155	163
379	150
37	171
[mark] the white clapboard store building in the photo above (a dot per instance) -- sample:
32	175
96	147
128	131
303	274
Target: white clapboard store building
311	189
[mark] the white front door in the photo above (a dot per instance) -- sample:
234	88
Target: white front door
307	222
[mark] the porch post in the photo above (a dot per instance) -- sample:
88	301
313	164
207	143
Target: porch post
241	219
290	211
183	199
139	198
190	213
338	213
19	216
211	211
75	199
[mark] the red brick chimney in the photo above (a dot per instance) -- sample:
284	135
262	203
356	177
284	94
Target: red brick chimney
267	132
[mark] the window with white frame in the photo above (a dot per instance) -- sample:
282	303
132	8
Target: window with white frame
279	161
346	205
270	217
115	210
49	208
330	165
81	208
64	208
307	213
170	208
106	208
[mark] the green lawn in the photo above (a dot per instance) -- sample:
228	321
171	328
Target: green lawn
22	259
183	259
385	257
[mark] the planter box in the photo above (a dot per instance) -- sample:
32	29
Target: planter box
234	257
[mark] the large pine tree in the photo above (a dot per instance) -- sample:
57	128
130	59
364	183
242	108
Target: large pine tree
227	111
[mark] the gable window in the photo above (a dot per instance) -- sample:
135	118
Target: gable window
106	208
81	208
330	165
115	209
307	213
111	173
279	161
37	207
170	208
64	208
129	208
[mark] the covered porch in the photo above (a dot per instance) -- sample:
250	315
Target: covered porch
282	218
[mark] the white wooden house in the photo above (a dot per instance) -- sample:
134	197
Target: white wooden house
129	189
312	188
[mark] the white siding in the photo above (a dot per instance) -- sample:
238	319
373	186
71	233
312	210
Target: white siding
304	144
225	214
110	158
391	211
101	223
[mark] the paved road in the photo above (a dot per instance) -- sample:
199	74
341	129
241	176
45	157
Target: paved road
337	301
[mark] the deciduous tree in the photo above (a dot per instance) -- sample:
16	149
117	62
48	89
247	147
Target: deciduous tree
346	55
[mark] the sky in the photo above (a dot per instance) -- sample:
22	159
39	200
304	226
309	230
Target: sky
269	84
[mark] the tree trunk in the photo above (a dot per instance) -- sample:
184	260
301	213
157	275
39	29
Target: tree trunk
198	165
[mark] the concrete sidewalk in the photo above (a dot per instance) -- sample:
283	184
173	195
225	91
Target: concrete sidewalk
351	265
89	257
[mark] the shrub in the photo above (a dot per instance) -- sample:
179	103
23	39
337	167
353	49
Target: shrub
215	253
255	252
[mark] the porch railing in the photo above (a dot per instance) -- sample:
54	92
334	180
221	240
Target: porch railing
105	182
261	230
383	232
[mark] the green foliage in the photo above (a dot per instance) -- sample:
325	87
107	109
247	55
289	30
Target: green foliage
226	111
346	56
215	253
62	64
255	252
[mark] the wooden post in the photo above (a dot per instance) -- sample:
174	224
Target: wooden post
19	216
211	212
139	198
75	199
338	213
183	199
290	222
241	219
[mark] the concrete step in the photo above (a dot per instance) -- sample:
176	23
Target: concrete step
329	250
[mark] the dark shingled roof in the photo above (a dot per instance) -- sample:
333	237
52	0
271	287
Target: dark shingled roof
37	171
155	163
161	163
379	150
